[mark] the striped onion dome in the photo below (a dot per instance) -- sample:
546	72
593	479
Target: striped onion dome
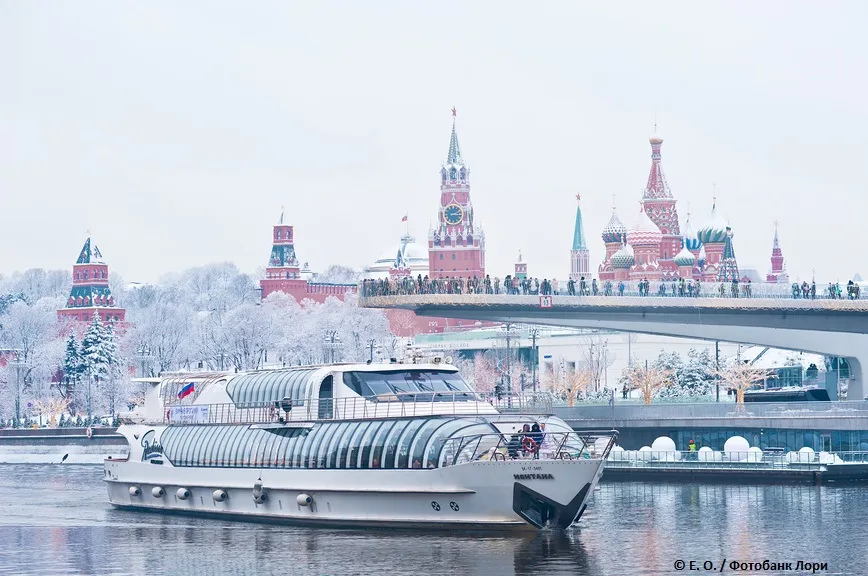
615	231
714	230
644	231
684	258
623	258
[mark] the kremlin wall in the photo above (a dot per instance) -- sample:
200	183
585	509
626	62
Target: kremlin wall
654	247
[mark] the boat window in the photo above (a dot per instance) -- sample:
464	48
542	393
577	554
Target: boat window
202	456
352	459
377	445
230	456
390	447
212	454
438	439
367	443
318	457
308	456
410	385
344	446
404	444
417	449
353	382
463	444
335	444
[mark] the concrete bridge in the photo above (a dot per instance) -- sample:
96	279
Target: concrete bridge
828	327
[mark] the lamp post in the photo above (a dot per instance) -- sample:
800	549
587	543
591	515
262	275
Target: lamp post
332	341
507	333
534	332
371	345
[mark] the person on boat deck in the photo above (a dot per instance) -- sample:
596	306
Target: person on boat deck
691	450
417	463
375	463
513	447
537	436
548	443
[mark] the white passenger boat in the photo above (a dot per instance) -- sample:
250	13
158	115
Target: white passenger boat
393	445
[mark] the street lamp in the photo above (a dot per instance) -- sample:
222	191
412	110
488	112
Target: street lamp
534	332
507	332
332	341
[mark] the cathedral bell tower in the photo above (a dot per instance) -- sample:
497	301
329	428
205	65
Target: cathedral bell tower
456	244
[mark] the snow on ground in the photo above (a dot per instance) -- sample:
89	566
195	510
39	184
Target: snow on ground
54	454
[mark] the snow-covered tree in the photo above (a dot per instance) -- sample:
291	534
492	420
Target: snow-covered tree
72	368
98	359
337	274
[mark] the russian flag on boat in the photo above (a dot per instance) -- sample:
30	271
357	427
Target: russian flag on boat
186	390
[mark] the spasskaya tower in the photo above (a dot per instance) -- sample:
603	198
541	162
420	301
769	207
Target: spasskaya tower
456	245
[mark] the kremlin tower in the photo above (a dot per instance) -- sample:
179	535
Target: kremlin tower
456	246
283	273
778	272
520	268
579	256
90	289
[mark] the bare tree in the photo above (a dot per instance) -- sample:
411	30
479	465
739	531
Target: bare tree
742	377
648	380
595	357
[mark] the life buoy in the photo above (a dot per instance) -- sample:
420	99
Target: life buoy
529	444
89	432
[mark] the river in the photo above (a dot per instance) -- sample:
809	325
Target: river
55	520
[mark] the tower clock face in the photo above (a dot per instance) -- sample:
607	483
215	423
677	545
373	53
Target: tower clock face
453	214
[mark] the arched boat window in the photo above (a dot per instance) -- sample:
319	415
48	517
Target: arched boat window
344	445
390	447
202	456
212	454
461	442
423	383
417	448
352	459
308	452
376	460
330	452
318	457
403	457
352	381
367	443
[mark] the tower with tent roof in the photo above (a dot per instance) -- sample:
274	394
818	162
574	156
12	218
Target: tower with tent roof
90	293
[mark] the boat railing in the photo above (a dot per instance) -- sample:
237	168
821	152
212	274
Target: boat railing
530	446
393	405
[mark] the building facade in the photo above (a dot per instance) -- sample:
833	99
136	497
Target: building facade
90	293
456	244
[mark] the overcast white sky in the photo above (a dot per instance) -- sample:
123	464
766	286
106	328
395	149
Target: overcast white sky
175	131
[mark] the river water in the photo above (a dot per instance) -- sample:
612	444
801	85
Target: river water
54	519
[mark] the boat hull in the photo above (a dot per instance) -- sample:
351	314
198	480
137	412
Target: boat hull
515	495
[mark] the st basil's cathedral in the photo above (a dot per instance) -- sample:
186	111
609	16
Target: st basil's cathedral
654	247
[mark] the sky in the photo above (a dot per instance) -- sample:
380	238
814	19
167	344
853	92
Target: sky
176	132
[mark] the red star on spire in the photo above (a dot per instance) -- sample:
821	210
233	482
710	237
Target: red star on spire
578	197
454	112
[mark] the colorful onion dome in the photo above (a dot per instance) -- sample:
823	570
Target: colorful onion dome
614	231
715	230
644	231
684	258
623	258
688	237
655	139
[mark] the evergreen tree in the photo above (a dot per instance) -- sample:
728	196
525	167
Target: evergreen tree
95	360
72	367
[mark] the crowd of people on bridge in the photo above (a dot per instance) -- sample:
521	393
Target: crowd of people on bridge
528	286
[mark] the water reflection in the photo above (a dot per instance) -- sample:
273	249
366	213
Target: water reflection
56	521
